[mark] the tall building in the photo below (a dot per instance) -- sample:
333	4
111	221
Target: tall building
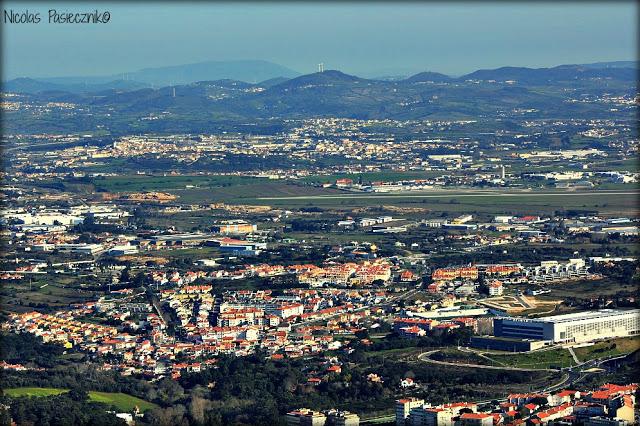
430	417
403	408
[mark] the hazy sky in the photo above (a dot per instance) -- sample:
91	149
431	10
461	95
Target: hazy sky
369	39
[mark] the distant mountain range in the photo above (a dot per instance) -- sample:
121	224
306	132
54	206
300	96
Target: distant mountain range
122	106
267	74
247	71
556	74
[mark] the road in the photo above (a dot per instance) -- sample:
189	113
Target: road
570	377
425	358
402	296
156	304
455	194
524	301
573	354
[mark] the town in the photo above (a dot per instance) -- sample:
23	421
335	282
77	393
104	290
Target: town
195	236
148	283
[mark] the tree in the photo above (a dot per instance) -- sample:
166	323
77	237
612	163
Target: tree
197	407
171	416
78	394
170	389
125	275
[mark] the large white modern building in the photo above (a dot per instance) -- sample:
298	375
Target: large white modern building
572	328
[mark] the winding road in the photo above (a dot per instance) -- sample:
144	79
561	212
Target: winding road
571	376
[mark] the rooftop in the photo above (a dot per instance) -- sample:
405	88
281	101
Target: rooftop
586	315
590	315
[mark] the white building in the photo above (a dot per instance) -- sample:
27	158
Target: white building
122	250
342	418
424	416
404	407
305	416
552	270
576	327
502	219
495	288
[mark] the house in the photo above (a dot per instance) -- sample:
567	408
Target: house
476	419
407	383
314	381
374	378
334	369
623	408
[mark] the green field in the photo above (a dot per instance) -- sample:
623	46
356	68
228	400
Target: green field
539	360
20	392
558	357
121	401
60	290
248	193
587	288
136	183
609	348
479	201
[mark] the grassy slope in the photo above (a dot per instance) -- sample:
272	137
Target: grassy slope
122	401
19	392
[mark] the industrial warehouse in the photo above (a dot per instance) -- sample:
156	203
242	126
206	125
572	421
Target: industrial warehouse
576	327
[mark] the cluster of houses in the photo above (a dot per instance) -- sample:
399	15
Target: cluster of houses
347	274
457	279
244	320
293	324
609	405
419	327
353	274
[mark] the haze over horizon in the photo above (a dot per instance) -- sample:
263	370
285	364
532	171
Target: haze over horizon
369	40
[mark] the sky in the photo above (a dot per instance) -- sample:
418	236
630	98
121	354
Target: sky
363	38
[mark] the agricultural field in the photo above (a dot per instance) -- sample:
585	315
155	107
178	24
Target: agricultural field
56	292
